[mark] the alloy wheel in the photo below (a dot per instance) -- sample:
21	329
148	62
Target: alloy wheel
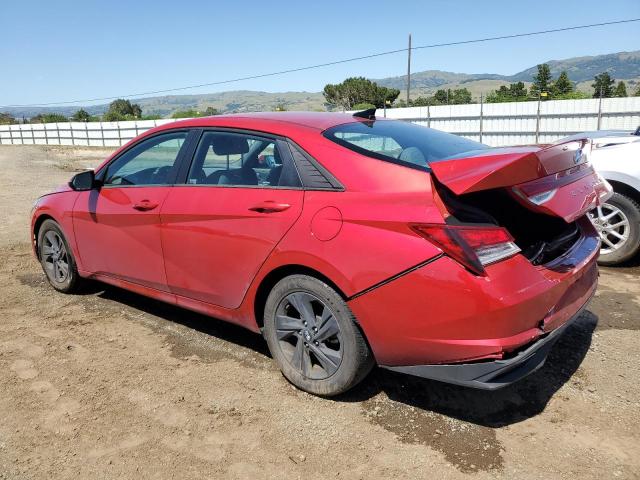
612	225
309	335
55	257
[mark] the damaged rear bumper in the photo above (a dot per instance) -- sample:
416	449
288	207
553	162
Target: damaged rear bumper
495	374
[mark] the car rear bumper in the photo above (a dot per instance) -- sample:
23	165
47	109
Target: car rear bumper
441	314
492	375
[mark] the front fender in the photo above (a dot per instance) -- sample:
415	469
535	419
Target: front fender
59	207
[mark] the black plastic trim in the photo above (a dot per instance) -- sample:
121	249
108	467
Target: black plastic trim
492	375
369	114
313	175
193	139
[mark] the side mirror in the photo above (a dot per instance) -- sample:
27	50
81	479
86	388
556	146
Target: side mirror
83	181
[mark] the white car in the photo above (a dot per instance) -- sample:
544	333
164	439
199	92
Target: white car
616	156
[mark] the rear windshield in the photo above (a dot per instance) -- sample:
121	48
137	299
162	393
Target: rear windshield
400	142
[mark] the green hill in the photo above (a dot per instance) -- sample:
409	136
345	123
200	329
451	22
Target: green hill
621	66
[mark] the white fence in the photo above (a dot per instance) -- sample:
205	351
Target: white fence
520	123
93	134
495	124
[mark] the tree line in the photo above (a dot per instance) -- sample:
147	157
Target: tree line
561	88
119	110
359	93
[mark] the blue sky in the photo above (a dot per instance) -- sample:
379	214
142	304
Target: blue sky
62	50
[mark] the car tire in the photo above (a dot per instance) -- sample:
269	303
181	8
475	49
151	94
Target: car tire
56	258
630	211
314	338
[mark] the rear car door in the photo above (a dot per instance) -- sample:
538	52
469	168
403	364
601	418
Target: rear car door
241	195
117	226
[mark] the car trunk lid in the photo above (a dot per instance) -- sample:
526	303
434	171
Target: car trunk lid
554	179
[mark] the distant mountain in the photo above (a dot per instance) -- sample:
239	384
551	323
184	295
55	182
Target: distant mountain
621	66
435	79
226	102
233	101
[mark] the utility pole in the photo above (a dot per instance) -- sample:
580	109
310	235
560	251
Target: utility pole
540	95
538	120
600	109
481	114
409	72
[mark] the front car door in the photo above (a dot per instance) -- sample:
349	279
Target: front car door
117	226
241	196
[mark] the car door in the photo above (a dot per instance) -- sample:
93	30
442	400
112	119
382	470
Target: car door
117	226
240	197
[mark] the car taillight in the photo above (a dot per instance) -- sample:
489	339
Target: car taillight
473	247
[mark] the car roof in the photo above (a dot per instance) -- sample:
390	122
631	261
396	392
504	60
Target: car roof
285	124
274	122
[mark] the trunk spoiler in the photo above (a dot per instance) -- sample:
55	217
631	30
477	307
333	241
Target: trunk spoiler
554	179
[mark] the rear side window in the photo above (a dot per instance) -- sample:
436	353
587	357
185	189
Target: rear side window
400	142
237	159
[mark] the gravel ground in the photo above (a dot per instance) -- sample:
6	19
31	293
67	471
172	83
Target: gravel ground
109	384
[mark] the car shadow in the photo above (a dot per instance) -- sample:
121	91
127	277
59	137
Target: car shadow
497	408
515	403
165	312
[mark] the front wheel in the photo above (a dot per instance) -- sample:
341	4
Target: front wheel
618	223
313	337
56	258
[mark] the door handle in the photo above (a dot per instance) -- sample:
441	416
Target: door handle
144	205
269	206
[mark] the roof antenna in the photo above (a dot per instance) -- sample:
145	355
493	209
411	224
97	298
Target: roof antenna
369	114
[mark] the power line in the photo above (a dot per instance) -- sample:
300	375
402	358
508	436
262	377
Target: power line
327	64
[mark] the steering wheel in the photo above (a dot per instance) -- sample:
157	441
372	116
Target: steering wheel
159	175
123	180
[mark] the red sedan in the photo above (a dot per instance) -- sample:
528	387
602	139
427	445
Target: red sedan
348	241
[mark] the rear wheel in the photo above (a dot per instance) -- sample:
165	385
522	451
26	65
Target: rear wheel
618	223
56	258
313	337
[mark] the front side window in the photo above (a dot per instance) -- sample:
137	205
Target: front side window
151	162
400	142
236	159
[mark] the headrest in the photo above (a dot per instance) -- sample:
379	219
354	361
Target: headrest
413	155
229	144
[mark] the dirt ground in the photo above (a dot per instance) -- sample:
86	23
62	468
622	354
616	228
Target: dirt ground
109	384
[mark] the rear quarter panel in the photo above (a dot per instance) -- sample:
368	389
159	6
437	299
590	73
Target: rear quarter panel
619	163
372	217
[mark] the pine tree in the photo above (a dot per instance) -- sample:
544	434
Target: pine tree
621	90
541	81
603	85
562	86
